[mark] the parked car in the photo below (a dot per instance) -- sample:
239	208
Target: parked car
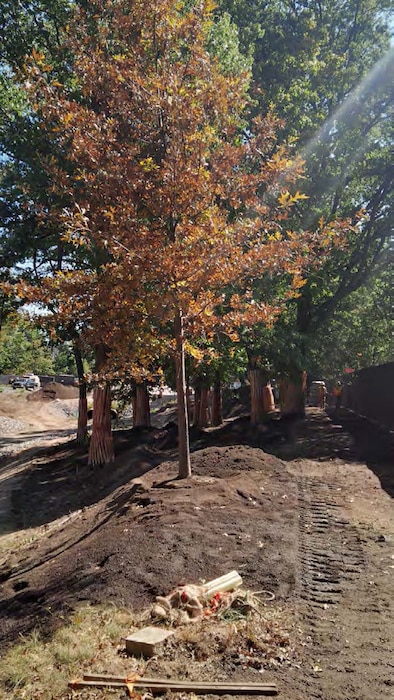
19	383
28	381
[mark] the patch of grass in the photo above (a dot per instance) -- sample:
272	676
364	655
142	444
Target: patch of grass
92	642
22	662
11	541
39	669
68	651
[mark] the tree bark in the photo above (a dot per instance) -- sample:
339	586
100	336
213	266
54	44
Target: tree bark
134	406
203	419
292	393
217	406
189	400
268	398
257	380
197	403
82	429
101	449
141	408
183	422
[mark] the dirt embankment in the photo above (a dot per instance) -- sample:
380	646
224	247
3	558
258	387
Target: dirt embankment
28	412
53	390
312	524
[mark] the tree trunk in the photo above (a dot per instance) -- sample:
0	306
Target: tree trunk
101	450
134	406
189	401
268	398
197	403
217	407
257	380
183	423
82	430
141	410
203	418
292	394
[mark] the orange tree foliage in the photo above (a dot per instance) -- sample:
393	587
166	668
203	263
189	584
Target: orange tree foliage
161	176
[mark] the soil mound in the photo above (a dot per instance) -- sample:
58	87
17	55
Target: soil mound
52	391
223	462
238	511
315	531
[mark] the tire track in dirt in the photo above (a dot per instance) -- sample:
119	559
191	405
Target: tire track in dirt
343	604
331	551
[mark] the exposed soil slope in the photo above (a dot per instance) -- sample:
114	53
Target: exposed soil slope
313	524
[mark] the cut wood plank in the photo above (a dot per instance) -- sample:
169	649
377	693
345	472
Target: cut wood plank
161	685
145	642
147	681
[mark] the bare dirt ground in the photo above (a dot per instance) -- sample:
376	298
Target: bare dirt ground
306	515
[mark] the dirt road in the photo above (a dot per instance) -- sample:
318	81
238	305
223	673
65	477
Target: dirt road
346	580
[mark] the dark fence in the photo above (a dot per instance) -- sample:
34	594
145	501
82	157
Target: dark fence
371	393
67	379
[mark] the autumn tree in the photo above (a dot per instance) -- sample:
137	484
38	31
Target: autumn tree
185	208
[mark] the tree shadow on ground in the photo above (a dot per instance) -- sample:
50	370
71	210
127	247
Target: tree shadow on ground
342	435
59	481
316	437
37	435
372	444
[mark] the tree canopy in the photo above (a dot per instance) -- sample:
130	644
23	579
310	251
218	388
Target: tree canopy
152	196
24	348
182	209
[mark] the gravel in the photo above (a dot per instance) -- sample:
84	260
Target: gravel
13	446
10	425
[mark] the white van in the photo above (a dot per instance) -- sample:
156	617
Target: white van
32	382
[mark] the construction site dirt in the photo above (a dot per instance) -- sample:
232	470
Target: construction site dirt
306	517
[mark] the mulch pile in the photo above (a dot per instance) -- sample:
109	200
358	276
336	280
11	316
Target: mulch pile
52	391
